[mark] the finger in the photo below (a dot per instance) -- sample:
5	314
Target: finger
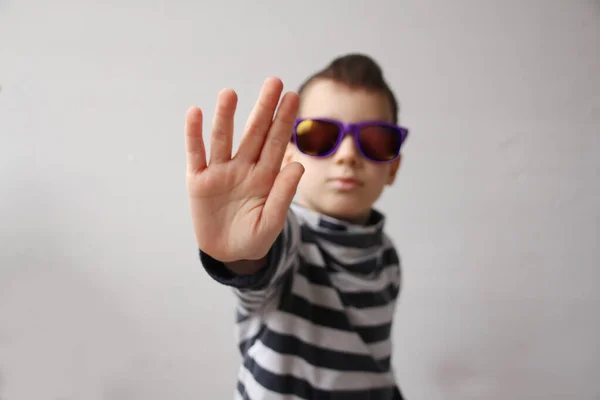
196	154
222	127
281	195
260	120
280	133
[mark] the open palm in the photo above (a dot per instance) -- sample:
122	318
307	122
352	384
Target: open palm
239	204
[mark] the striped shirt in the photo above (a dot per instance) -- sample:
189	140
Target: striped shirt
315	322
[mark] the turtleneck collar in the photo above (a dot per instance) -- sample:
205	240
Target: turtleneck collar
325	225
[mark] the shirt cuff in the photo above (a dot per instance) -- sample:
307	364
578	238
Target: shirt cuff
256	281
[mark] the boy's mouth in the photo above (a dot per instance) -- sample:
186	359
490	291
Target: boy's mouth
347	183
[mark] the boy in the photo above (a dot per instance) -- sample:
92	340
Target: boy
316	279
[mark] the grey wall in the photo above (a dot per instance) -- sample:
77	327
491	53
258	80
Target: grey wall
496	210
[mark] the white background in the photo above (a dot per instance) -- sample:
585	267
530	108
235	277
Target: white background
496	210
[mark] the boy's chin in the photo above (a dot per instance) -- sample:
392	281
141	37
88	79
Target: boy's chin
345	210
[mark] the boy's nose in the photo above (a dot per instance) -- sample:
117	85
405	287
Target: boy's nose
347	152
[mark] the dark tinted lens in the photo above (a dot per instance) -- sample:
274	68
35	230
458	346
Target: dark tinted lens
316	138
380	142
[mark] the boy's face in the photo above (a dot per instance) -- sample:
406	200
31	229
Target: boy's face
344	185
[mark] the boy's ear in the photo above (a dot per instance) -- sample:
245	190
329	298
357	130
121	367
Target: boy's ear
394	170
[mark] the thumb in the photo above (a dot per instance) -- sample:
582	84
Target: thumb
278	202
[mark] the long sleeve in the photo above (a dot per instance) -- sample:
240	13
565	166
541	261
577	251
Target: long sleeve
252	290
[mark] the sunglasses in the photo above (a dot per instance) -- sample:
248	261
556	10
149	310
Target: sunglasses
377	141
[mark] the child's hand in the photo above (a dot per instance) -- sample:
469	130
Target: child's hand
239	204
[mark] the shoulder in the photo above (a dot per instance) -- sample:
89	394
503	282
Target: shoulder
390	254
388	242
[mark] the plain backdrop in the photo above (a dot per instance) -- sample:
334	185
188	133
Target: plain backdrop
496	210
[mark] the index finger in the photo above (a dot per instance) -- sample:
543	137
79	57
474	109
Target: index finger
280	133
194	144
260	120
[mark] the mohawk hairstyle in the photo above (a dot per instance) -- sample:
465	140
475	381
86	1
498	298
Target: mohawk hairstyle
357	71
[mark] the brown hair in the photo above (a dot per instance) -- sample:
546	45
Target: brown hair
356	71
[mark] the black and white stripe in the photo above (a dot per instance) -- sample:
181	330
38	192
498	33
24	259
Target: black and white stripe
316	322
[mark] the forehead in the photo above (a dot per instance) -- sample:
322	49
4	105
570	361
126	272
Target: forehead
326	98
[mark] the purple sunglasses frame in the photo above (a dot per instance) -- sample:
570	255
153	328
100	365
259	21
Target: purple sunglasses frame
352	129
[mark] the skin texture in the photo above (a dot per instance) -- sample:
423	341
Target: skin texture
239	203
317	189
